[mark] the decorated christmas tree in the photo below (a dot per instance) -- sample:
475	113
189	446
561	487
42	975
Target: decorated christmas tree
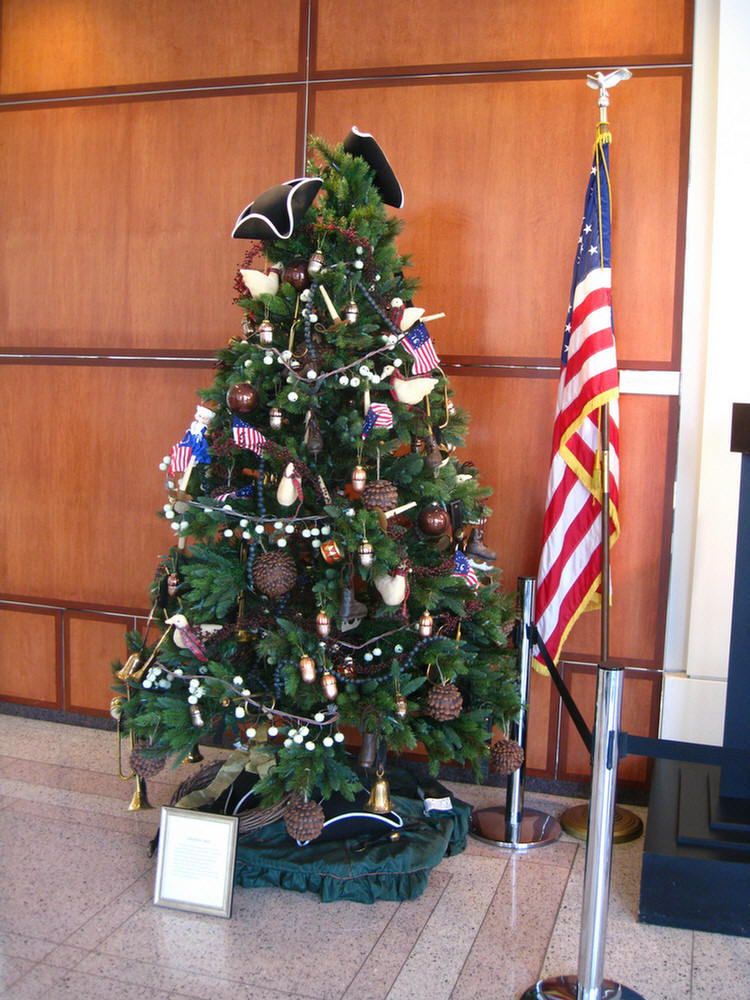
329	575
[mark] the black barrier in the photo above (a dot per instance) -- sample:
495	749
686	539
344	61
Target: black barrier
629	744
578	721
693	753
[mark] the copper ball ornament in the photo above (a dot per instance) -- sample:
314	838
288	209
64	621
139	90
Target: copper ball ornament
242	398
295	274
433	520
351	313
323	624
400	706
365	552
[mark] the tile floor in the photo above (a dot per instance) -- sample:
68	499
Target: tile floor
77	921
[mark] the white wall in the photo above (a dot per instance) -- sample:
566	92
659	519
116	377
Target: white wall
715	373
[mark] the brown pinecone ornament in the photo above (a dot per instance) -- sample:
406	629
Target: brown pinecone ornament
303	819
380	493
145	767
444	702
274	573
506	756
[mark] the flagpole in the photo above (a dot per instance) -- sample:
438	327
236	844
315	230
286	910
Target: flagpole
589	983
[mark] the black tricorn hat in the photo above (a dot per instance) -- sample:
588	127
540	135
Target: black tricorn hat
274	214
362	144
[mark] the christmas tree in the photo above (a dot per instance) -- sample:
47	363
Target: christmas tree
329	572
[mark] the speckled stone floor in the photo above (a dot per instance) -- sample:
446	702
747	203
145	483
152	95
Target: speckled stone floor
77	920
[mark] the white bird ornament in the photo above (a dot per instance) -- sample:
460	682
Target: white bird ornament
259	283
191	638
289	489
411	390
392	588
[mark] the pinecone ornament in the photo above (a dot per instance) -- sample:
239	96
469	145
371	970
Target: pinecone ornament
380	493
303	819
274	573
506	756
444	702
143	766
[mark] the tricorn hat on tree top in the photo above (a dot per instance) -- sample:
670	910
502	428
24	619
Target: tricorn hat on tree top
274	214
363	144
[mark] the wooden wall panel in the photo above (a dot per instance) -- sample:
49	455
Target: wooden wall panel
48	45
30	662
509	441
395	35
118	218
83	485
156	124
494	173
92	643
640	716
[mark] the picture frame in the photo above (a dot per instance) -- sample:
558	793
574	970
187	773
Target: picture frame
195	863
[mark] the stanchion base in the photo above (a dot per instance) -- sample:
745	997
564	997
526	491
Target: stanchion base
535	829
628	826
566	988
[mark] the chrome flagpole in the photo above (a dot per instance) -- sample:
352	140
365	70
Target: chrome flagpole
589	983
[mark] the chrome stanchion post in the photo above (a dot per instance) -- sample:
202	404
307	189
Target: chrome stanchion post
598	869
514	826
515	789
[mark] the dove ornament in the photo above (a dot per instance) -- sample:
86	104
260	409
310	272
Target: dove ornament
259	283
287	492
392	589
411	390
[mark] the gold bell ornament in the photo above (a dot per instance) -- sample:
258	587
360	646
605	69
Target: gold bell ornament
380	795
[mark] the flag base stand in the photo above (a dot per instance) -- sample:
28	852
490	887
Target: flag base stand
627	826
536	828
566	988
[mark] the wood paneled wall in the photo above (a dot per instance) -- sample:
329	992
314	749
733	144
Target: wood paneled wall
132	135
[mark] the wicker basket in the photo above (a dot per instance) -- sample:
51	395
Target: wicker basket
250	819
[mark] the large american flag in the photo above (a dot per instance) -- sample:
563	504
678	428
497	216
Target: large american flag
569	579
419	344
247	437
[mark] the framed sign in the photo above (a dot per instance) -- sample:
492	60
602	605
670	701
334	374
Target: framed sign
195	867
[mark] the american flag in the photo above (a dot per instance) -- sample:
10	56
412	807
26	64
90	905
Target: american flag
569	579
179	458
243	491
463	568
418	343
247	437
379	415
